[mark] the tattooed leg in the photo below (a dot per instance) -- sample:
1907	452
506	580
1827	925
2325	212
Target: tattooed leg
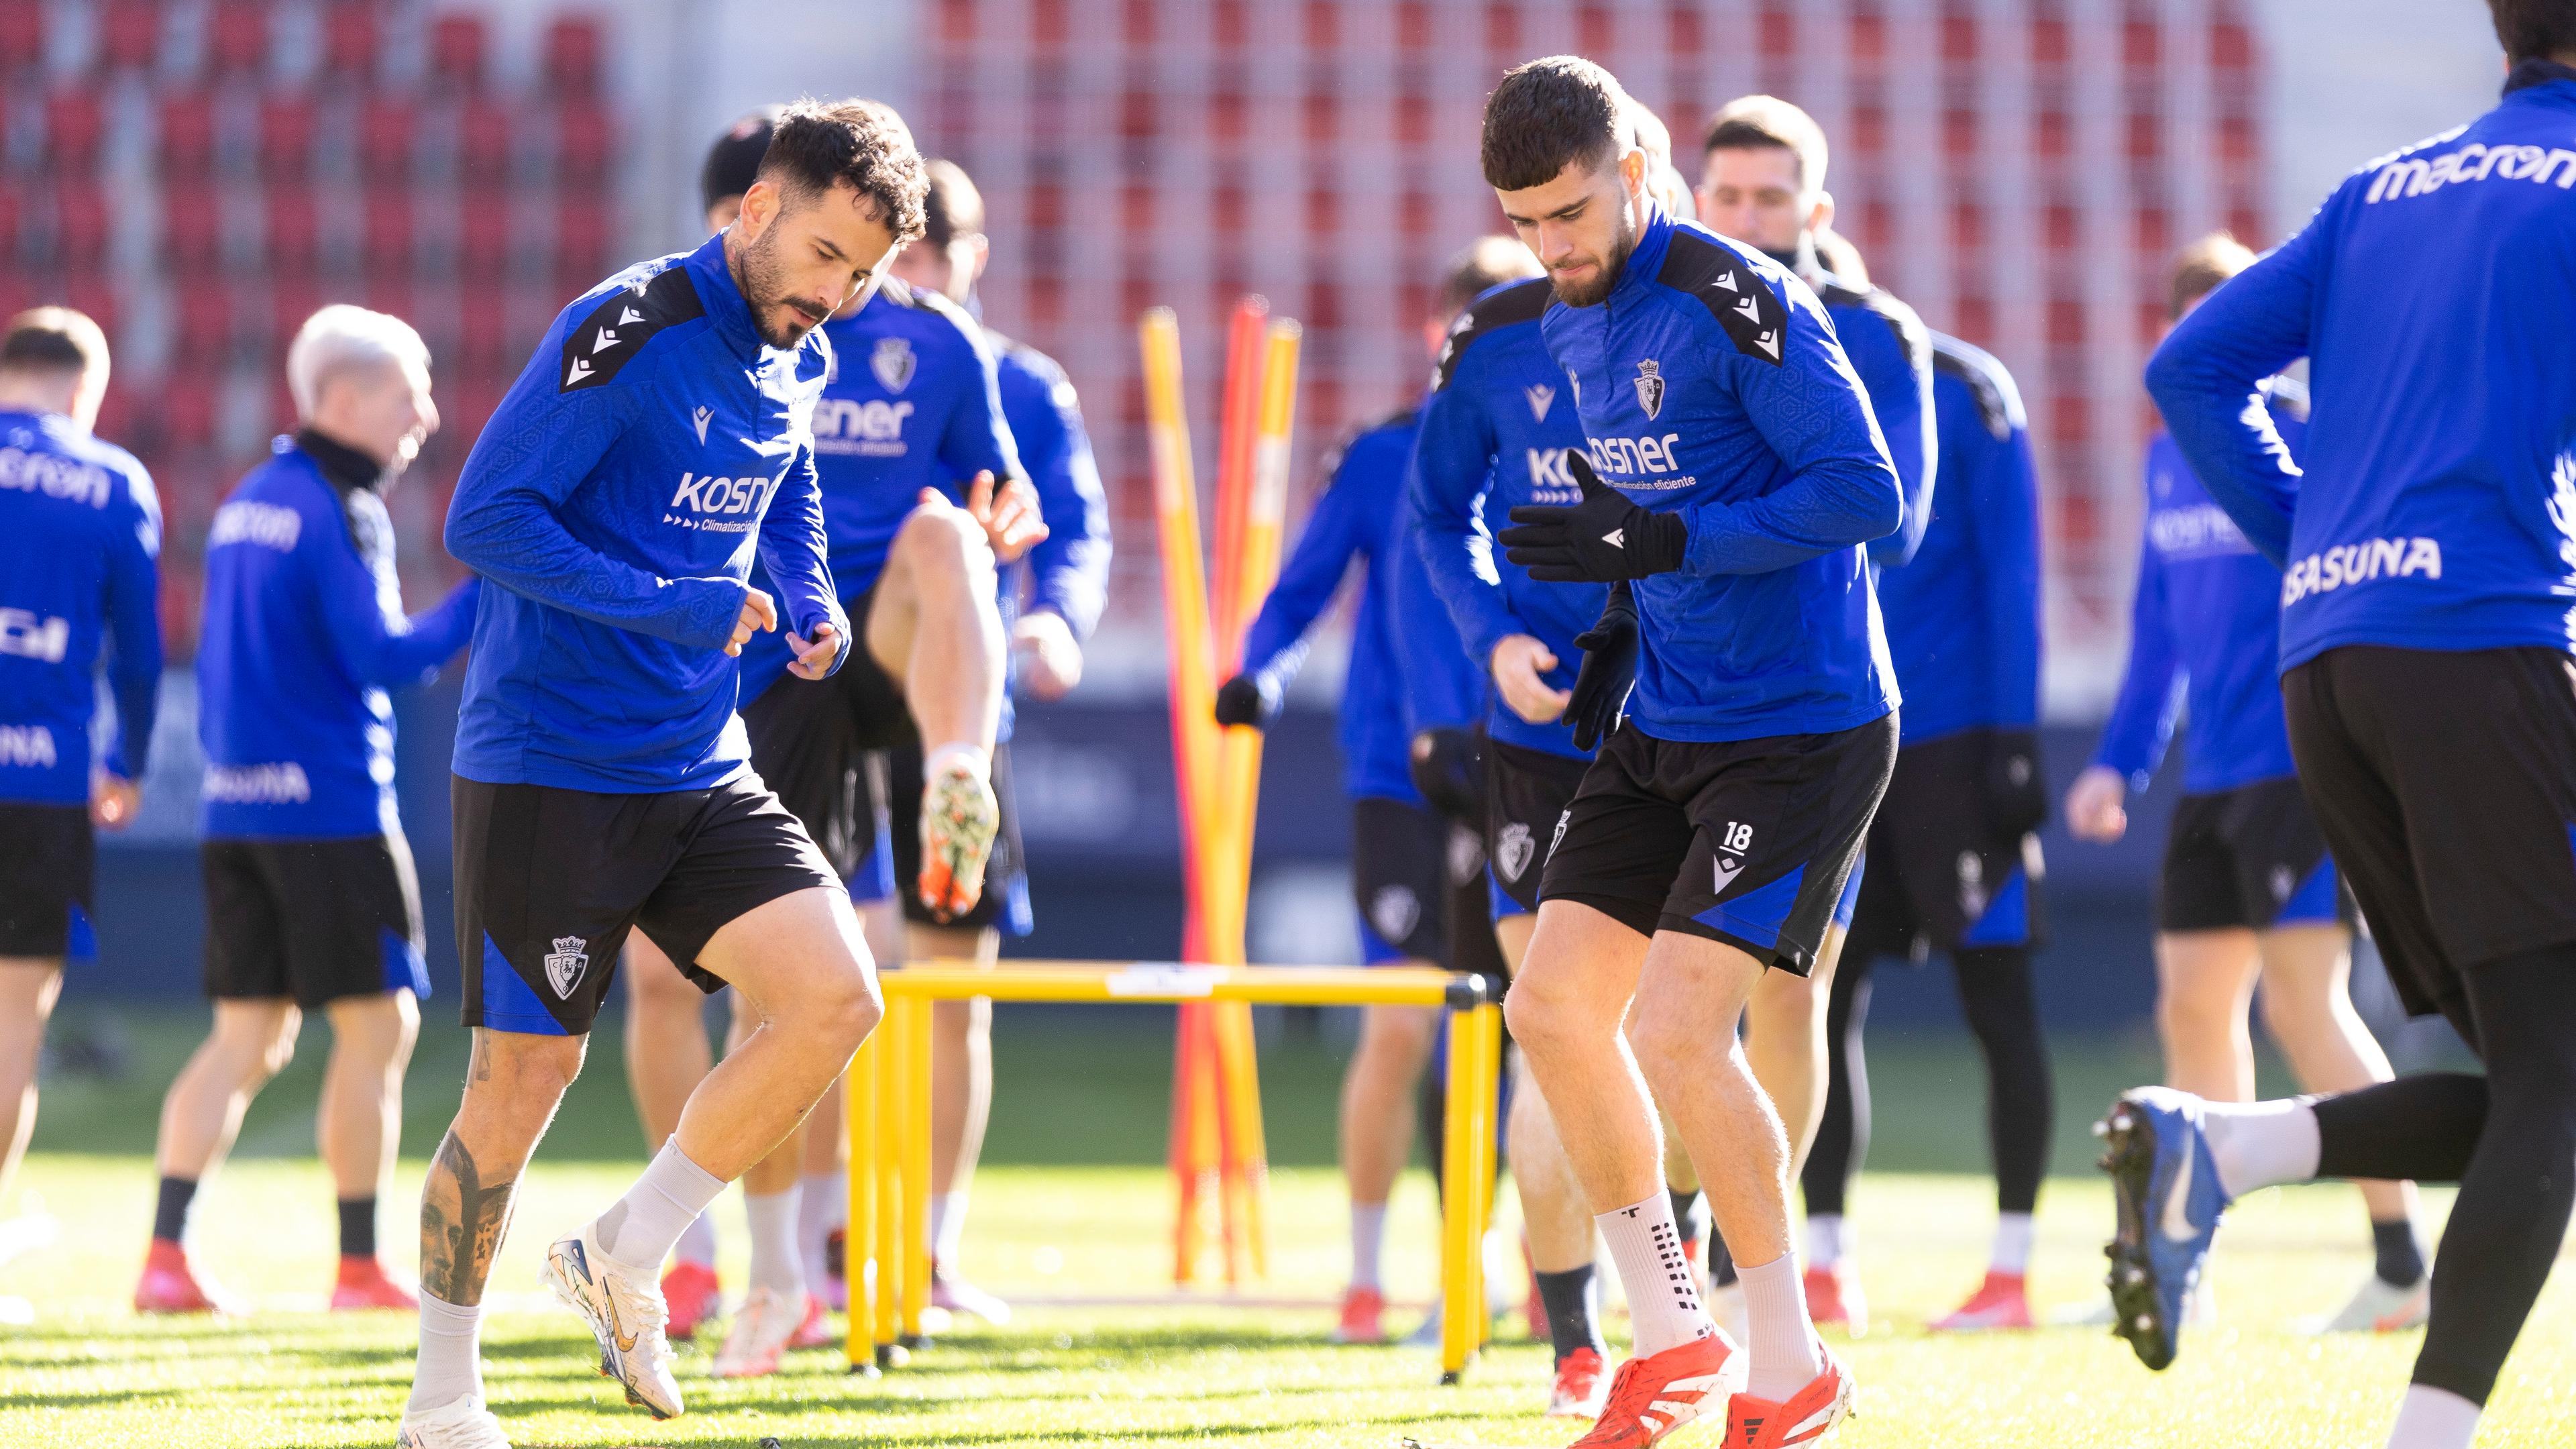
511	1091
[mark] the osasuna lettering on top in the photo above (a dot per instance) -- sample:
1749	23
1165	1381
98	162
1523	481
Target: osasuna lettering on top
2368	561
2417	176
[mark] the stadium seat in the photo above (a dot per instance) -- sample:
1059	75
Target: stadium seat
73	125
192	225
11	208
205	331
22	34
290	301
294	229
285	137
352	37
237	37
483	233
80	224
482	327
456	53
129	34
484	131
581	242
572	56
388	237
584	145
187	137
90	291
387	128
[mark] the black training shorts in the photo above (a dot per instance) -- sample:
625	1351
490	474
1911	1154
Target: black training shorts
1527	795
2445	784
549	881
1748	842
2250	858
1941	875
317	920
1400	880
48	876
810	739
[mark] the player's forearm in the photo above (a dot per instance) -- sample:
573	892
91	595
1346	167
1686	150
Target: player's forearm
1828	506
1917	456
2206	380
515	541
1071	577
1451	556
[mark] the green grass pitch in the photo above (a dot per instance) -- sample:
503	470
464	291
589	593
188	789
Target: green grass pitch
1052	1233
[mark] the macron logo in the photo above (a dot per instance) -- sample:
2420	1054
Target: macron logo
701	416
1616	538
2415	176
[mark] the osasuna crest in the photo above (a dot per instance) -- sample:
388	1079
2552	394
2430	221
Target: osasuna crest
1541	398
1973	895
567	964
892	362
1395	912
1650	387
1512	850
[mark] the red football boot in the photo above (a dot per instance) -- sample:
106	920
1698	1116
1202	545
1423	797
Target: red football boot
1834	1299
1653	1396
816	1330
1581	1389
171	1284
1805	1417
1363	1317
693	1295
2002	1301
364	1283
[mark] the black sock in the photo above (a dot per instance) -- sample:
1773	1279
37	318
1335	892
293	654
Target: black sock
1690	1213
357	1227
1721	1263
170	1218
2401	1258
1573	1300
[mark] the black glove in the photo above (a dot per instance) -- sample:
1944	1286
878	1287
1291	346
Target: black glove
1248	699
1603	538
1449	770
1609	668
2016	792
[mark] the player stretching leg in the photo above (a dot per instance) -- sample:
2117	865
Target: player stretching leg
621	537
1762	181
1714	834
80	544
311	901
2248	887
2425	682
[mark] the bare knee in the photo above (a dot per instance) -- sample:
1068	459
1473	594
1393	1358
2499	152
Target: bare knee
944	542
1668	1052
842	1009
1546	1007
376	1030
518	1067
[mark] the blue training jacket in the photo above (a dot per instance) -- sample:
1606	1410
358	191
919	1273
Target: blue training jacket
909	403
1710	384
1359	515
2205	627
653	444
1069	569
2435	506
1495	431
80	544
1963	616
303	634
1891	352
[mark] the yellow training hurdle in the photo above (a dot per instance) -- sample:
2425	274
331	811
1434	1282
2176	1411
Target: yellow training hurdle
888	1252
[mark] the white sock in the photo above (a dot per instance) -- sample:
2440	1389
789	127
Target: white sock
2261	1144
775	1263
698	1242
1783	1348
451	1355
976	758
824	1204
1828	1239
1368	1240
639	1230
1645	1244
2427	1418
947	1227
2013	1232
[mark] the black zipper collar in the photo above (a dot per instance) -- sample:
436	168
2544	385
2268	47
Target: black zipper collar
2536	72
344	466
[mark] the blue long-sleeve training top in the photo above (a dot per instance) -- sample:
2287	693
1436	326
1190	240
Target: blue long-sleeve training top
303	635
652	446
2435	296
80	548
1441	686
1359	516
1891	352
1068	571
1962	616
1495	431
1710	384
911	401
2205	630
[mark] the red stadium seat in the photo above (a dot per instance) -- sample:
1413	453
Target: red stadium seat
237	37
73	124
482	327
572	56
22	34
10	209
290	301
294	230
388	230
484	131
581	242
392	292
187	134
285	137
205	333
387	126
186	406
129	34
456	52
585	144
483	234
93	293
352	37
192	225
80	224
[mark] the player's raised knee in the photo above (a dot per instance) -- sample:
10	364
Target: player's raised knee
946	539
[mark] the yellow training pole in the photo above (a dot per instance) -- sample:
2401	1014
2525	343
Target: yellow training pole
916	1171
1461	1251
887	1196
859	1235
1488	1022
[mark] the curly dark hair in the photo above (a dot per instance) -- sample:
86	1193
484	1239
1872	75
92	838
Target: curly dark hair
1549	114
864	145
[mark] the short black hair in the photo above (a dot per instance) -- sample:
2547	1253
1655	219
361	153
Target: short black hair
864	145
1548	115
2534	28
52	340
954	207
733	162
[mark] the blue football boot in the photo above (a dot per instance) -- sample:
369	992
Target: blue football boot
2169	1200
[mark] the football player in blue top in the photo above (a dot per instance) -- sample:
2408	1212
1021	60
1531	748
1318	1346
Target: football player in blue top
2248	886
80	547
659	440
312	904
2427	538
1714	834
